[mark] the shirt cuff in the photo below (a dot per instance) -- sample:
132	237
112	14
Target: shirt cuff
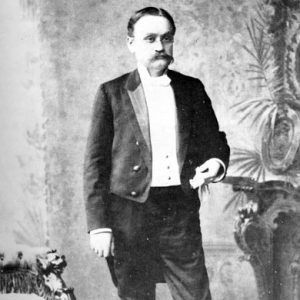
221	174
101	230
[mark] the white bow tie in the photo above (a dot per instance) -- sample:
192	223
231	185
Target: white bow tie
163	80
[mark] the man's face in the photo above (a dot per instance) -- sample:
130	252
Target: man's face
152	43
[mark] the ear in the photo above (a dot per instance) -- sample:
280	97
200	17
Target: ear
130	43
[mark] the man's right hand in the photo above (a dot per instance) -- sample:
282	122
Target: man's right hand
102	243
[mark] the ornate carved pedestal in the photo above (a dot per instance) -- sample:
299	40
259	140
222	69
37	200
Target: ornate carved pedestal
268	232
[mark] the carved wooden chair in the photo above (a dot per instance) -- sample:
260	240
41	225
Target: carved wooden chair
31	273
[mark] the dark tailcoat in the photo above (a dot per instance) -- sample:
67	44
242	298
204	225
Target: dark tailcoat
118	157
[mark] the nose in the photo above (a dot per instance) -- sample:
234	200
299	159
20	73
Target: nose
158	45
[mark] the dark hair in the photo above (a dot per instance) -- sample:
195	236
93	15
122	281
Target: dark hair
149	11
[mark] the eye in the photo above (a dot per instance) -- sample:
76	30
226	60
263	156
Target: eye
168	39
150	39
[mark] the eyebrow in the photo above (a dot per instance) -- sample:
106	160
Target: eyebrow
166	33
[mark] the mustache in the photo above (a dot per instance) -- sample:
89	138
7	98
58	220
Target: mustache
168	57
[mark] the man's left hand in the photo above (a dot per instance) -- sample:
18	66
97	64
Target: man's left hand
205	173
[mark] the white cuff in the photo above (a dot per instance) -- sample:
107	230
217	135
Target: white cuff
101	230
222	175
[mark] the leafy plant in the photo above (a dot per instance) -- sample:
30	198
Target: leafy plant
273	112
248	163
265	71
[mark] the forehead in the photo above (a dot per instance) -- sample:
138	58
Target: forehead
152	24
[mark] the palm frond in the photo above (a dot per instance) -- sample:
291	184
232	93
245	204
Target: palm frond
251	32
254	66
264	117
258	22
240	162
260	116
262	14
256	112
248	109
253	54
247	167
263	69
242	152
261	174
248	162
267	58
250	102
257	78
242	155
255	71
266	54
239	199
277	86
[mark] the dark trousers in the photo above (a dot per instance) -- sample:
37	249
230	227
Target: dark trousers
159	240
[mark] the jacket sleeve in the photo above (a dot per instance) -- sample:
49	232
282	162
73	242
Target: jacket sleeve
210	141
97	163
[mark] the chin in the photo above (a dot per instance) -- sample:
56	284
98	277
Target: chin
161	64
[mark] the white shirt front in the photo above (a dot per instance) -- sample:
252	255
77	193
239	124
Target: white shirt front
162	122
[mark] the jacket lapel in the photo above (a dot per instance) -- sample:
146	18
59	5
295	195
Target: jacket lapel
183	117
139	105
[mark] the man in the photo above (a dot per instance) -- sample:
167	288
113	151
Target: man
154	139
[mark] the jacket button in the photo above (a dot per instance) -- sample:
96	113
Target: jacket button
133	193
137	143
136	168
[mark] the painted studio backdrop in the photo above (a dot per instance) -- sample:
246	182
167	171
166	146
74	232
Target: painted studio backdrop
54	55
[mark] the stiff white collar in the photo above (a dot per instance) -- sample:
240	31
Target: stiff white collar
146	79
